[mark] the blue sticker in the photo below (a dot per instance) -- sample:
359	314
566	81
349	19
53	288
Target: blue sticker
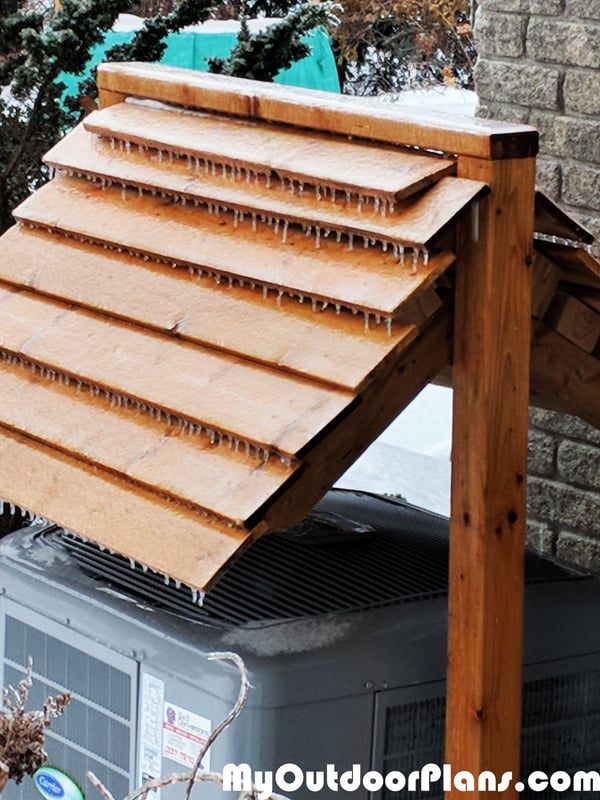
54	784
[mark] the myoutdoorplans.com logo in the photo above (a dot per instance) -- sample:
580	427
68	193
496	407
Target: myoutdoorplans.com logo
289	778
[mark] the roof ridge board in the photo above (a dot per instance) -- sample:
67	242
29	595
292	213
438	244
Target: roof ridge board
53	267
312	109
96	505
365	281
77	156
218	481
274	150
106	352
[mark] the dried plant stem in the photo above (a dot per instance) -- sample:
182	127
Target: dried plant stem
194	776
239	704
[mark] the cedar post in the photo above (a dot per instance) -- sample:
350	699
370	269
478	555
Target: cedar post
489	462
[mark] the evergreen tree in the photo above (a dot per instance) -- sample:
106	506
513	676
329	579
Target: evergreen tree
262	55
36	48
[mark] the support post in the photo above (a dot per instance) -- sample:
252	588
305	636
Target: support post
489	462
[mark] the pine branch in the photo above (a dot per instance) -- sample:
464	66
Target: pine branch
263	55
148	44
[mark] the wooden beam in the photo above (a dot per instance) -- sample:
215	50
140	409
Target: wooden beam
574	320
336	450
560	369
324	111
489	459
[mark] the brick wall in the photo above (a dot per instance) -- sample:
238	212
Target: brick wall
540	64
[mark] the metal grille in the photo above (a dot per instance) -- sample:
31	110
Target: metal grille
355	551
96	730
561	731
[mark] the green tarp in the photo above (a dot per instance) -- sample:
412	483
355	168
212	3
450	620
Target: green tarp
191	49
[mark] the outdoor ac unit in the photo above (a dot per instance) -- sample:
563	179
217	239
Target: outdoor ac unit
341	622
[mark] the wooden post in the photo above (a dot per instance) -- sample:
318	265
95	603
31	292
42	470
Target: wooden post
489	460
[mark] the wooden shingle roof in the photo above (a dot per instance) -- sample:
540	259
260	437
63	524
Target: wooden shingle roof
209	313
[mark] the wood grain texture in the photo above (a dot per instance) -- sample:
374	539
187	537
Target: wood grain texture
331	347
415	222
564	377
489	459
574	320
218	391
165	536
286	152
322	111
366	279
215	478
399	382
545	278
551	220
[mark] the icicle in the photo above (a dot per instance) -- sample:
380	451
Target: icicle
300	188
268	180
338	236
254	222
401	254
332	190
132	563
314	304
265	292
338	308
425	257
317	238
279	296
366	319
359	205
318	193
160	156
128	147
365	242
376	202
415	260
112	142
350	241
213	168
388	325
285	232
236	218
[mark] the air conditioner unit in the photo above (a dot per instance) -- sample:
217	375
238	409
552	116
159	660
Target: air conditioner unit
341	621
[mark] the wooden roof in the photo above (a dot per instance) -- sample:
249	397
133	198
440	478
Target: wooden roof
210	313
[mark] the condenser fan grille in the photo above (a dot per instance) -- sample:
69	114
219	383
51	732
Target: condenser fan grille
355	551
